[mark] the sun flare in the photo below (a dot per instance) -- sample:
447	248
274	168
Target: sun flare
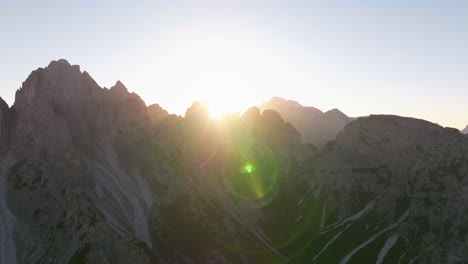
217	66
228	72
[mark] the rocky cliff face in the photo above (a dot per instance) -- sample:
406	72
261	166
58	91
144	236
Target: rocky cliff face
92	175
4	124
396	191
315	126
70	188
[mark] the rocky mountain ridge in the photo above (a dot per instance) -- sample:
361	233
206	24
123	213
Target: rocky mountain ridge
408	173
93	175
315	126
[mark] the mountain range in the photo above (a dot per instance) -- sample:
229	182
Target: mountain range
93	175
315	126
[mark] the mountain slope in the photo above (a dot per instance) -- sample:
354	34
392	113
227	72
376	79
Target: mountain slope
465	131
68	166
396	191
94	175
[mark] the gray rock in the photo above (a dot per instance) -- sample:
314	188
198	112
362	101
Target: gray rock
394	178
465	131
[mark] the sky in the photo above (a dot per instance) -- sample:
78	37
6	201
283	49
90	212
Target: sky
408	58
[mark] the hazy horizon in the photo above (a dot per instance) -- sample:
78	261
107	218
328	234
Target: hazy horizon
360	57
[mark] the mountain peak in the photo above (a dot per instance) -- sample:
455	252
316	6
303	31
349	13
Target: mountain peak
119	86
336	113
60	82
3	111
198	110
4	117
157	113
252	115
315	126
465	131
334	110
3	104
392	127
277	103
61	65
281	101
271	115
59	62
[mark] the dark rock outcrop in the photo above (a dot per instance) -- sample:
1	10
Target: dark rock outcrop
157	113
4	124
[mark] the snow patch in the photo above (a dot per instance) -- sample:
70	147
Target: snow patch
299	218
330	242
391	241
322	220
348	257
301	201
356	216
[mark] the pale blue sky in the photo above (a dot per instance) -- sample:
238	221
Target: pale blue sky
408	58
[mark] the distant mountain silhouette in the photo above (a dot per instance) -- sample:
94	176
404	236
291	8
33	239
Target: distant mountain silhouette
93	175
315	126
465	131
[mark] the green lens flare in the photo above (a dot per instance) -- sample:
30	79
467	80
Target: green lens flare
250	175
250	170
